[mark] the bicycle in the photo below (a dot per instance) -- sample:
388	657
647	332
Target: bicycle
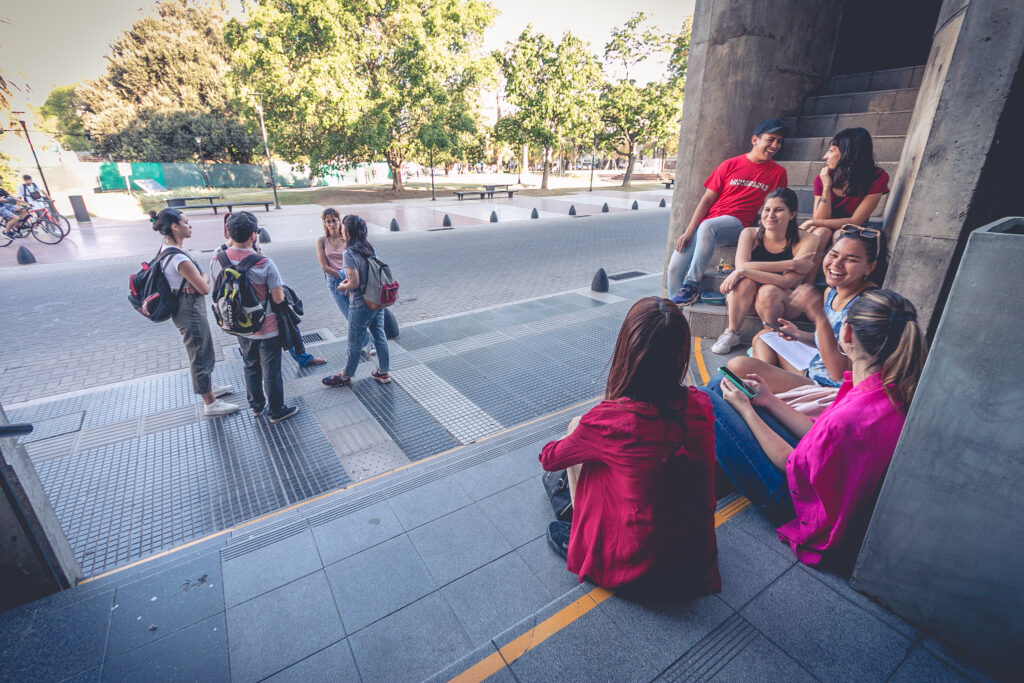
51	214
43	229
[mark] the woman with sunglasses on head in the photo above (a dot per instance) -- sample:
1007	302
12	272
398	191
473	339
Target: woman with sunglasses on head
771	259
641	467
847	190
330	252
849	262
360	316
820	477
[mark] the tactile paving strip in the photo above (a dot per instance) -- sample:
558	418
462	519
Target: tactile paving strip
460	416
405	420
126	500
54	426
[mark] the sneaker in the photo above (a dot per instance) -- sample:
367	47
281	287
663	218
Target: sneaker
339	380
558	538
219	407
381	377
725	343
686	295
222	390
286	412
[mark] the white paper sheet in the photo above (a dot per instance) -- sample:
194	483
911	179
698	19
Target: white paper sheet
796	353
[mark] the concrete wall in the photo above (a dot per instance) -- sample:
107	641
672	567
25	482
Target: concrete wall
974	59
945	547
748	61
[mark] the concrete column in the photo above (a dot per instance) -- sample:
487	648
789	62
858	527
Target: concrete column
939	190
748	61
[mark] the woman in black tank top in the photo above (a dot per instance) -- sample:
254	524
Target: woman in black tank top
771	259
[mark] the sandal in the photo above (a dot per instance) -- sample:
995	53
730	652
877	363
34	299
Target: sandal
317	361
381	377
339	380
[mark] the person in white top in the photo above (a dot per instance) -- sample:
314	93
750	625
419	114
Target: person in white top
31	194
191	318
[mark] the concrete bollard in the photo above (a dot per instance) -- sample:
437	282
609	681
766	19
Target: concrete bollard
636	205
447	222
25	256
494	216
600	281
604	209
572	209
534	214
390	324
662	203
394	225
78	206
264	236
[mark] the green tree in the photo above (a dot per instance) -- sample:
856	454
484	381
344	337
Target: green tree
555	88
357	79
170	65
59	115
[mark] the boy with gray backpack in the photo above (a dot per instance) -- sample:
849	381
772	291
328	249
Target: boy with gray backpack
244	283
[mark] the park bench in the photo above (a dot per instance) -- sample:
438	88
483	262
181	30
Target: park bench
487	192
227	205
183	202
670	184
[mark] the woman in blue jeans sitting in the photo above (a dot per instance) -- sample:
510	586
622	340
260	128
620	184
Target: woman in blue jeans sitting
330	250
360	316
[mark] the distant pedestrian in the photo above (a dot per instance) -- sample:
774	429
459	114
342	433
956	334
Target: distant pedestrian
191	318
361	317
261	352
330	251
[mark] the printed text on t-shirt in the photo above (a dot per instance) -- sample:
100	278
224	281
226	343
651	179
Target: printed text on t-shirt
750	183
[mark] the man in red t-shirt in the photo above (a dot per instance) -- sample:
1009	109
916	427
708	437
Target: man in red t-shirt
734	194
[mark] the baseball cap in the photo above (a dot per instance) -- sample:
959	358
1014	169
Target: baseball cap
770	126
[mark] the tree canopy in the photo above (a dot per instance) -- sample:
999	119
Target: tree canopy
166	83
355	80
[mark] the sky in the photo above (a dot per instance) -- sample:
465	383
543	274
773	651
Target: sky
78	33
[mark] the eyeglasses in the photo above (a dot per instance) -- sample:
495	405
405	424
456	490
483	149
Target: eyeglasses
858	231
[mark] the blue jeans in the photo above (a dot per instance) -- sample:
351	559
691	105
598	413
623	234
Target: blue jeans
342	302
302	358
360	320
688	266
741	456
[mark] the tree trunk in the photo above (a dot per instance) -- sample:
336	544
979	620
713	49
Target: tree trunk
396	174
629	167
547	168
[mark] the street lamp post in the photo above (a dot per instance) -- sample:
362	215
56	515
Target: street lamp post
202	167
34	156
266	148
593	162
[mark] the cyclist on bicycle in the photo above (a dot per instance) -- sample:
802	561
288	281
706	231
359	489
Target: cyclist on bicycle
30	193
12	211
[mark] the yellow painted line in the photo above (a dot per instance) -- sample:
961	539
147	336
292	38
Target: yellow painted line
699	357
493	663
323	496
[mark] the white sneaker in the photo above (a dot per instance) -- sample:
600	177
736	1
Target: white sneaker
219	407
725	343
222	390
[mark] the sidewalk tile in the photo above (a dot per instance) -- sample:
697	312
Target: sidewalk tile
747	568
662	632
428	502
196	653
410	644
377	582
54	640
841	585
502	675
763	662
497	474
549	567
458	543
922	665
520	513
827	634
262	632
333	663
355	532
490	599
156	606
266	568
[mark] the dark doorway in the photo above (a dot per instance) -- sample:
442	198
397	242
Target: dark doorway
882	34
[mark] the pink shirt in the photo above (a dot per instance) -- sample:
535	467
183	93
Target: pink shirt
838	466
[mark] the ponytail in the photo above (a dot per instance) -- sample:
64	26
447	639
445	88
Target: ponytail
886	326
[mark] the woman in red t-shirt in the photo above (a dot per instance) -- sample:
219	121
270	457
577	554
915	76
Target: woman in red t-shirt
643	499
846	191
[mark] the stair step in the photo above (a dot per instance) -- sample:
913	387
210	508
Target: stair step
805	199
887	148
887	79
802	173
900	99
876	123
710	321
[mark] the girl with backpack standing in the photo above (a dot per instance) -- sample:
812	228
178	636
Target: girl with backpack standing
190	318
330	251
361	317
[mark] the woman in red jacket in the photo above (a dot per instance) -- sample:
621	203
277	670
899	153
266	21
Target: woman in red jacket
644	501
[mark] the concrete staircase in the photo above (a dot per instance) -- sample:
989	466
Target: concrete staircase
880	101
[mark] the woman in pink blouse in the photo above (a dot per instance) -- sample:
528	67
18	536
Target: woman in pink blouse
826	472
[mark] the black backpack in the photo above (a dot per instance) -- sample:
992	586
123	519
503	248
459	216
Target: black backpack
236	307
149	292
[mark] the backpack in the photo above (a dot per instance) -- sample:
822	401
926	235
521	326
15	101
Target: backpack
236	307
149	292
378	288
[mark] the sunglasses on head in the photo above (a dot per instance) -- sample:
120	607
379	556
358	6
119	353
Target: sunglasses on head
858	231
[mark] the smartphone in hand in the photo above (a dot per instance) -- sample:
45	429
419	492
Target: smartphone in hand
772	326
740	384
